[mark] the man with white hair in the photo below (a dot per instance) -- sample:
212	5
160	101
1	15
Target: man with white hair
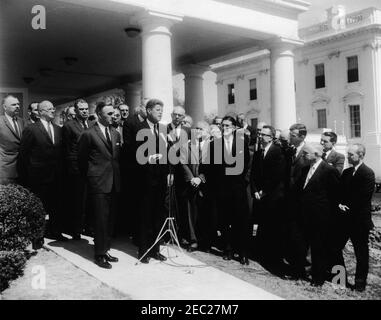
40	165
356	189
317	194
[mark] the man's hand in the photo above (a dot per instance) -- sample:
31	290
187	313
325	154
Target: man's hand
257	196
343	207
153	158
195	182
170	179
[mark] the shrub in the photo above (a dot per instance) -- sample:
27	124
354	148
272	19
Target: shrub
22	220
11	266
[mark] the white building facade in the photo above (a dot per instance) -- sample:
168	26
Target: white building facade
337	81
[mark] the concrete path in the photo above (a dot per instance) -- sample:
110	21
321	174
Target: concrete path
181	277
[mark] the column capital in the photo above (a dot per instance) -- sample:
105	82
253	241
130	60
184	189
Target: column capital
283	44
155	22
194	70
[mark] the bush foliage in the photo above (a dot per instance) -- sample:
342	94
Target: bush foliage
22	219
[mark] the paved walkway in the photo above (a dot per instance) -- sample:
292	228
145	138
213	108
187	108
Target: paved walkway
181	277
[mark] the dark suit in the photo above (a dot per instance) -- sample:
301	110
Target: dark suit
75	185
9	149
153	183
128	219
233	206
40	167
317	206
356	192
98	163
197	197
179	182
268	176
336	160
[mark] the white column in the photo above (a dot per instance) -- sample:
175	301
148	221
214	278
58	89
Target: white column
157	59
194	91
283	110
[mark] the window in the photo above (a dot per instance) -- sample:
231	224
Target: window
353	69
254	123
354	120
319	76
231	93
253	89
322	118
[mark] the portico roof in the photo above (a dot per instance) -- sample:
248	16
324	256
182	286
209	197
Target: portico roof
93	33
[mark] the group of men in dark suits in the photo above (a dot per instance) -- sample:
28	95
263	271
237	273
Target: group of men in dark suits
300	201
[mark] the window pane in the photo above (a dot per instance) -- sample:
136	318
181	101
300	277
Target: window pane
253	89
355	121
231	91
319	76
322	118
353	71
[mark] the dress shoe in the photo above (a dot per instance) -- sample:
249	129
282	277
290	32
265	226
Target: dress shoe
359	286
227	255
159	256
102	262
110	258
317	283
244	261
192	247
37	243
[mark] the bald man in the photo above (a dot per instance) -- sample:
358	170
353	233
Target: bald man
40	165
11	127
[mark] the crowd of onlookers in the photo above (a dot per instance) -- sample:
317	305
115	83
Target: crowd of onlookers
249	192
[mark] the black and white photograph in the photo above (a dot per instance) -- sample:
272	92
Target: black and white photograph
190	155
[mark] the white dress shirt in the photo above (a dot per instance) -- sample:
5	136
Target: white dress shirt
299	148
356	167
103	129
48	125
267	149
312	171
229	143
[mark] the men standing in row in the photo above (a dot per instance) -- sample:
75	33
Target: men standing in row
76	187
40	165
335	159
356	190
11	127
154	176
267	187
98	163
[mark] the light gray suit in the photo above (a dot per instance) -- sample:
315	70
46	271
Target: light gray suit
9	149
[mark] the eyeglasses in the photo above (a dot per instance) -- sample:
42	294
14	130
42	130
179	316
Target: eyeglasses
265	135
226	125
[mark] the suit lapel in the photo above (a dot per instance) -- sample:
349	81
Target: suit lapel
315	175
7	123
43	130
102	137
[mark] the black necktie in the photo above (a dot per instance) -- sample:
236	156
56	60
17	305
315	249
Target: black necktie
108	138
324	155
16	126
156	130
84	124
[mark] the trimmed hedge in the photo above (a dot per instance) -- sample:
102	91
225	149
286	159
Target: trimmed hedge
22	220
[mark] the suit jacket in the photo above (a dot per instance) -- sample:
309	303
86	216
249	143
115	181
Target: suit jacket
356	192
268	173
130	128
336	159
319	199
153	174
71	131
9	147
298	164
40	161
220	169
97	163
